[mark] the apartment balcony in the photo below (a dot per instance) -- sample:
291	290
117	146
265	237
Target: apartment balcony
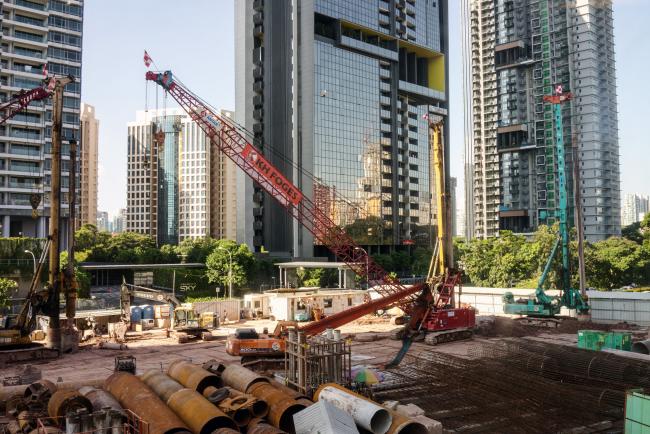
27	6
26	23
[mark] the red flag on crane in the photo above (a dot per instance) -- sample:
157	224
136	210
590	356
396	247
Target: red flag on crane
147	59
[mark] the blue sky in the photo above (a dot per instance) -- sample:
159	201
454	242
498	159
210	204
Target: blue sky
196	41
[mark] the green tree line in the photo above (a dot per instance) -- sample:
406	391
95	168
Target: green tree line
511	260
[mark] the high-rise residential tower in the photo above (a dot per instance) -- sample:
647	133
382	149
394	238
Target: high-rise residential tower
36	33
635	207
178	186
520	51
89	156
338	95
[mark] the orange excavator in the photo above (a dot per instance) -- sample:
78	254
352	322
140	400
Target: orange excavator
429	305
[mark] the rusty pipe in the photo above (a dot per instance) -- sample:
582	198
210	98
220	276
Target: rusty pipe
101	399
161	383
7	392
40	391
260	426
288	390
136	396
240	378
63	402
199	414
192	376
404	425
282	407
236	407
258	408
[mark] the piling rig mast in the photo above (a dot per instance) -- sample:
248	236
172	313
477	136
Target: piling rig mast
416	300
544	305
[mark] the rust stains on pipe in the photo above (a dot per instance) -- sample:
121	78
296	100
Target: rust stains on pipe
161	383
9	391
403	425
282	407
63	402
40	391
241	378
192	376
260	426
136	396
199	414
288	390
258	408
101	399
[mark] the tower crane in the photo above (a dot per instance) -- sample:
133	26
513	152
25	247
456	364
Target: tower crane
417	300
543	305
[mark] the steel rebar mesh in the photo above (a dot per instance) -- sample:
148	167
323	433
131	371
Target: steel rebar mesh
506	390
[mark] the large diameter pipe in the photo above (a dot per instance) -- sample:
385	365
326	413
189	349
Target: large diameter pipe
641	347
7	392
101	399
193	376
260	426
258	408
236	407
405	425
365	413
241	378
161	383
282	407
136	396
199	414
288	390
63	402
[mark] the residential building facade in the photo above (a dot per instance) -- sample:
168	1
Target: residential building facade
103	223
338	96
89	159
178	186
635	207
36	33
119	221
520	51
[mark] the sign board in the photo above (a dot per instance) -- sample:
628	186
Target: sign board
264	168
143	278
187	286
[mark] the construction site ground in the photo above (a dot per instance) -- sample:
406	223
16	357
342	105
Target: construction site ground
371	346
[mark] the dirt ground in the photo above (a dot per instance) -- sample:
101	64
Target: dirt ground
371	346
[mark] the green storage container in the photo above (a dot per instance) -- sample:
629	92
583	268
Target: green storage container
596	340
618	341
637	412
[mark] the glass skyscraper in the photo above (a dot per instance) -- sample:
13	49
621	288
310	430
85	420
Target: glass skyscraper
338	95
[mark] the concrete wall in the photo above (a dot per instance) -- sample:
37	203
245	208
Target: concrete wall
489	301
606	307
614	307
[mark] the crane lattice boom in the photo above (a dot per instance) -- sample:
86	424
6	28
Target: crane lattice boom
233	144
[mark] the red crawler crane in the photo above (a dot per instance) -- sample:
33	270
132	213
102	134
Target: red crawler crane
416	300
